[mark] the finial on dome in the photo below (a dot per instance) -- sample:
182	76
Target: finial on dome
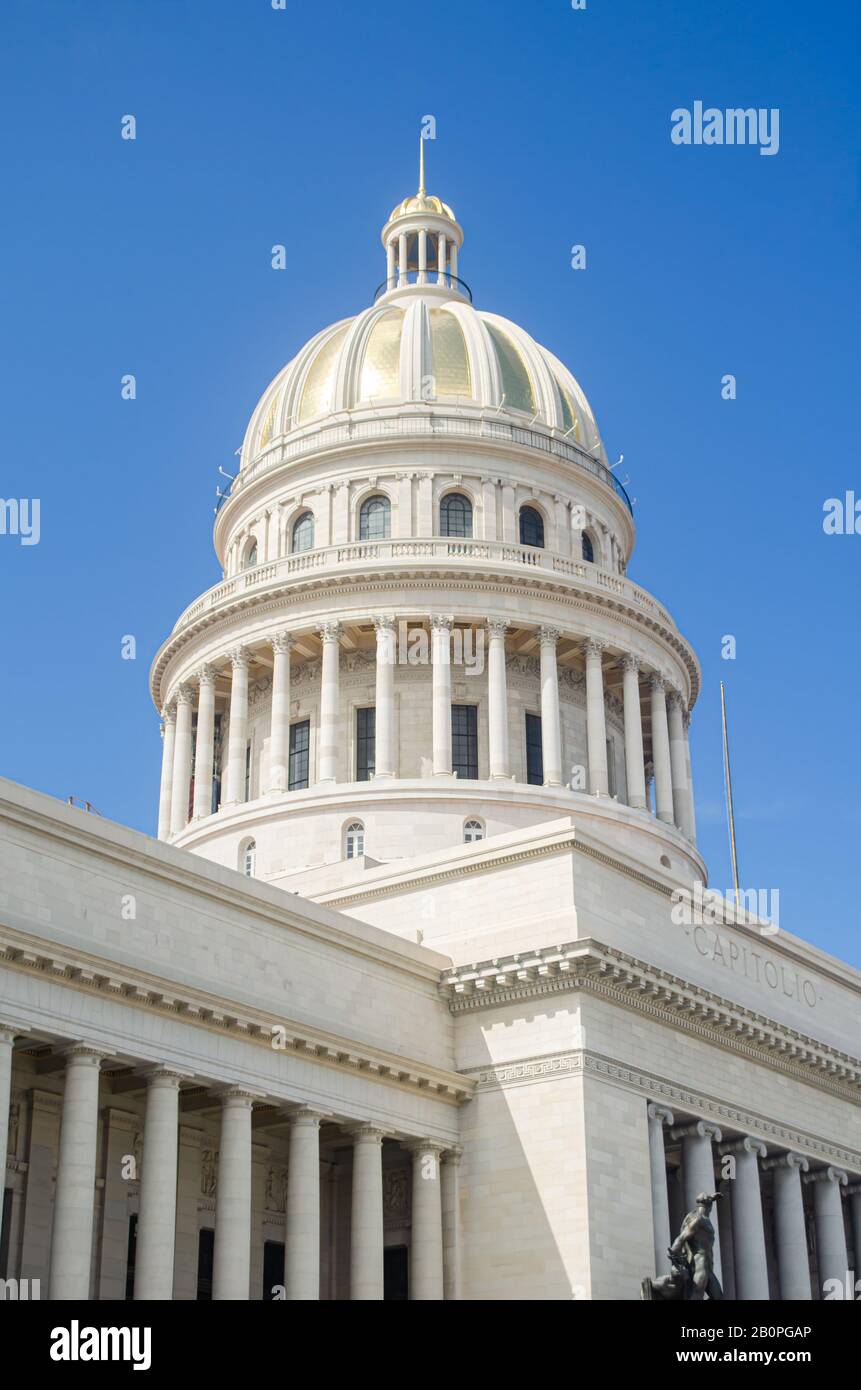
421	192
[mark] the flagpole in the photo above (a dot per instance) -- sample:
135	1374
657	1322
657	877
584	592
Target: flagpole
730	813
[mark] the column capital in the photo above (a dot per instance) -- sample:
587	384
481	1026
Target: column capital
306	1117
686	718
699	1129
788	1160
549	636
206	675
660	1112
384	622
87	1054
497	628
631	663
168	713
674	699
657	681
744	1145
453	1155
240	1097
829	1174
240	658
282	642
367	1134
329	631
594	647
162	1074
441	622
184	694
417	1147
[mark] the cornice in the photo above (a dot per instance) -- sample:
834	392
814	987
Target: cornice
591	966
580	1061
95	976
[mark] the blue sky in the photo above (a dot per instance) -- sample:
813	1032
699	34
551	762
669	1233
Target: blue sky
258	126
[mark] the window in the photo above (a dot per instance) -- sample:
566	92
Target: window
366	725
472	830
248	770
355	840
611	768
534	752
531	527
375	519
205	1254
248	858
455	515
464	741
588	548
303	533
250	556
300	745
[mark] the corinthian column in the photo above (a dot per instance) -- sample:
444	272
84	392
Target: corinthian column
441	659
551	734
366	1220
748	1234
302	1253
232	1260
661	752
451	1235
204	746
168	734
698	1169
74	1195
635	768
384	715
793	1269
679	764
426	1279
237	737
156	1235
279	733
330	702
181	761
8	1033
832	1259
659	1116
497	700
596	726
692	811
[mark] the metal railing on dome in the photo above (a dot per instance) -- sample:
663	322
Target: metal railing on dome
424	277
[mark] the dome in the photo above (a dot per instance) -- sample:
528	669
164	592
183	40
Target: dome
417	349
422	202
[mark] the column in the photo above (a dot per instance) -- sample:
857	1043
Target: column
441	669
232	1260
452	256
279	732
330	703
441	255
699	1170
204	747
237	735
156	1234
302	1254
384	717
497	700
686	725
748	1233
678	763
832	1257
793	1267
659	1116
402	258
551	733
854	1195
74	1195
635	769
366	1220
661	752
423	257
168	736
181	761
390	265
451	1237
426	1281
596	727
7	1038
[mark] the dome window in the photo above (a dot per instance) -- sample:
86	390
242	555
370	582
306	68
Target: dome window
588	548
375	519
248	858
473	830
455	515
531	527
250	557
303	533
354	840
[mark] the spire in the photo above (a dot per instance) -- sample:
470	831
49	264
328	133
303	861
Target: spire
421	192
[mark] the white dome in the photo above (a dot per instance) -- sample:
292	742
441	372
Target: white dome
415	349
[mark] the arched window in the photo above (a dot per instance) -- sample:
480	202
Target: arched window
248	858
303	533
354	839
472	830
250	559
531	527
375	519
588	548
455	515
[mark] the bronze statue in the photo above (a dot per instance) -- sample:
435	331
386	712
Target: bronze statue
692	1259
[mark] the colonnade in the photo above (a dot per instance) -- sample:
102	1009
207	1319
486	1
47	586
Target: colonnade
670	721
434	1240
397	259
702	1146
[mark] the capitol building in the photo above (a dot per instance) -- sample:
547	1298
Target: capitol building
400	1003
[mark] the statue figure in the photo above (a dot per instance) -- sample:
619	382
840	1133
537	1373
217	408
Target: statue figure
692	1259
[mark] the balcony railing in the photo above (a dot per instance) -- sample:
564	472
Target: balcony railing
440	550
431	276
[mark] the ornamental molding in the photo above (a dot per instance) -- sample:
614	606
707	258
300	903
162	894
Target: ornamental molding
711	1108
592	967
94	976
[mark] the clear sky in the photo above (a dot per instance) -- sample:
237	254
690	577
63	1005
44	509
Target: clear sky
299	126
